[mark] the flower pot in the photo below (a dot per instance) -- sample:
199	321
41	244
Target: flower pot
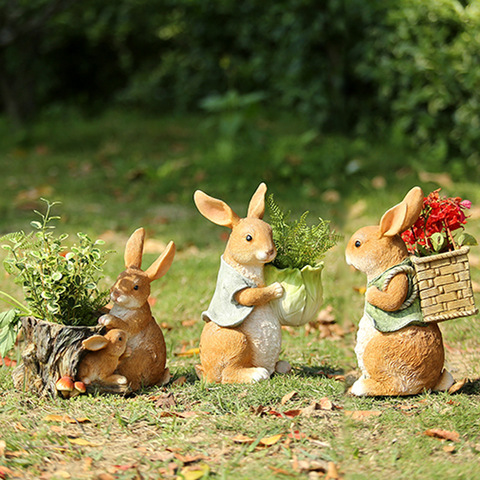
52	351
303	293
445	287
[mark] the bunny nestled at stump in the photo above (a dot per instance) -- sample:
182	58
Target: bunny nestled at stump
241	339
144	364
397	352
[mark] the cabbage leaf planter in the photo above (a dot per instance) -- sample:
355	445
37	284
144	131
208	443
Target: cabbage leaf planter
303	293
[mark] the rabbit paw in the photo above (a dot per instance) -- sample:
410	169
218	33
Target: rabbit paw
121	380
259	374
358	388
105	319
277	289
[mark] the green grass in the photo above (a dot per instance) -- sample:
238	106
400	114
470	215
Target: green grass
122	171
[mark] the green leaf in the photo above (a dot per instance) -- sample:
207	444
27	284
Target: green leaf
8	317
8	336
36	225
466	239
438	241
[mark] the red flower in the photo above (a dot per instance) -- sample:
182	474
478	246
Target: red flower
440	215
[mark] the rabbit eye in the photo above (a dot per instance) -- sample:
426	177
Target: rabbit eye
358	243
248	238
135	287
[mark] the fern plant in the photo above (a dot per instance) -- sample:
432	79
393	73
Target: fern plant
298	244
60	283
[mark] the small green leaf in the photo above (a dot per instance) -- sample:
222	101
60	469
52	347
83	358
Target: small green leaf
438	241
466	239
36	224
7	318
8	336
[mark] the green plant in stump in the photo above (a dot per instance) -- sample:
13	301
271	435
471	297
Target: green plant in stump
298	266
60	283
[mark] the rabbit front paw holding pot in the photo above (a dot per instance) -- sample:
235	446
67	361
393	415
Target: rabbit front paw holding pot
242	337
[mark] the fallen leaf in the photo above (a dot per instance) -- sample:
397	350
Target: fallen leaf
288	397
449	448
84	443
185	459
188	353
124	468
289	413
362	414
3	447
164	401
65	418
296	435
105	476
457	386
260	410
280	471
194	472
62	474
272	440
179	381
442	434
240	438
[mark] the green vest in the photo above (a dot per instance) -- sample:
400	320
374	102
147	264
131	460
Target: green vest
409	314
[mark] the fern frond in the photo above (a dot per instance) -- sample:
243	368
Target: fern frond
297	243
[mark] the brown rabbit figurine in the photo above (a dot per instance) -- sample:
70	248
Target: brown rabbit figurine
397	352
131	312
241	339
105	354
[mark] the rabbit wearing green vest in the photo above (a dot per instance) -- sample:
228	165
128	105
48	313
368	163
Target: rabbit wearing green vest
397	352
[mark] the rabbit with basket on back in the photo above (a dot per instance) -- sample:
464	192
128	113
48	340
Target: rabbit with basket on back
397	352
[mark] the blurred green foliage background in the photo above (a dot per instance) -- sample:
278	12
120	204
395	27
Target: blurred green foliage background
406	70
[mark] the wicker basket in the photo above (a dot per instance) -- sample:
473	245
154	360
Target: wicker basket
445	287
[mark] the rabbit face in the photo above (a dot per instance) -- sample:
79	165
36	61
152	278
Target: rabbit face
132	289
251	242
118	341
371	253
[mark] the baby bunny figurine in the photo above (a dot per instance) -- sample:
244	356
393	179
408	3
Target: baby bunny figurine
397	352
131	312
103	357
241	339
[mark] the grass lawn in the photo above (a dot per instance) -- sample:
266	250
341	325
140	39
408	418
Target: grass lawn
123	171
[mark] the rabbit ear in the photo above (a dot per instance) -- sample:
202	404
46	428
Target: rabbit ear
256	208
134	249
215	210
94	343
161	265
404	215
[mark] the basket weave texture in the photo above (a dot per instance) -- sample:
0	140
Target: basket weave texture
445	287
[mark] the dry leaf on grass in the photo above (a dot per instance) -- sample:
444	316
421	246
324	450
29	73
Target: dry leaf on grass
3	447
188	353
65	418
288	397
163	401
362	414
265	441
186	459
84	443
194	472
442	434
179	381
457	386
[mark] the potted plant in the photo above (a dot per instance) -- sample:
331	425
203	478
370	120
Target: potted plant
439	247
298	266
62	301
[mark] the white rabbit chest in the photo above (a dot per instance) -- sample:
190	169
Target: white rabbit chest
366	331
265	334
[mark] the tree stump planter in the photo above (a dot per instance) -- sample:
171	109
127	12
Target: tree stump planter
445	286
51	352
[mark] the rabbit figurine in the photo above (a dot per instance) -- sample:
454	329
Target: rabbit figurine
131	312
103	357
241	339
397	352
